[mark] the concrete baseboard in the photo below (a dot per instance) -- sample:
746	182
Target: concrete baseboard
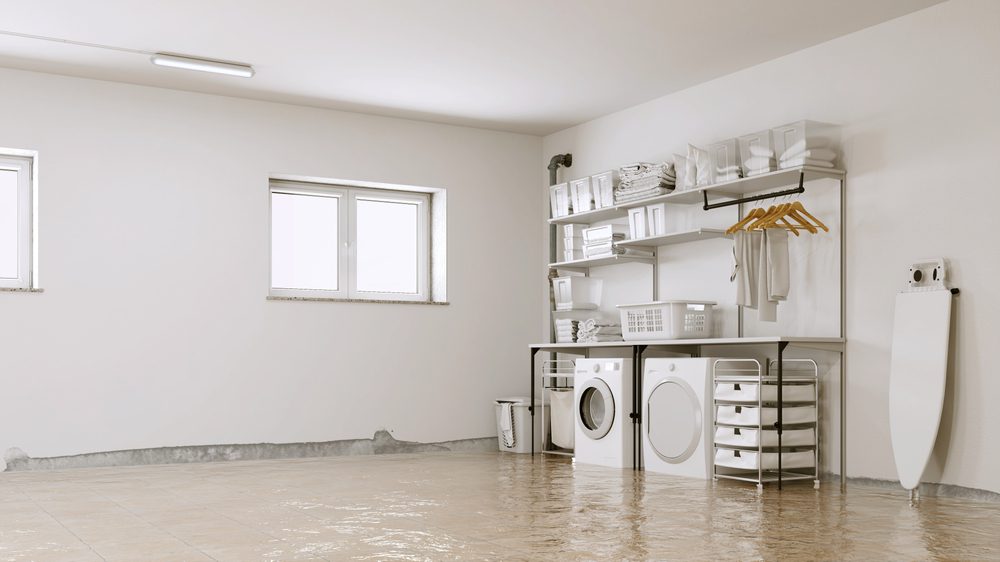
927	489
381	443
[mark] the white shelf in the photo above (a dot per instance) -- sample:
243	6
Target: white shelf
737	188
676	238
596	262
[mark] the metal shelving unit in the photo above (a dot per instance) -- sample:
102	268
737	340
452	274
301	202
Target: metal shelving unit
745	381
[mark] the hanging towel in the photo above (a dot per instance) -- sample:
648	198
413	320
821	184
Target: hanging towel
777	263
743	270
507	423
767	309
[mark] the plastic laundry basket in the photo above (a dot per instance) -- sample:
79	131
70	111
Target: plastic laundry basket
561	418
517	439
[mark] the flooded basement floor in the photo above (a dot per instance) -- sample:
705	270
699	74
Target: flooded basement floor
465	506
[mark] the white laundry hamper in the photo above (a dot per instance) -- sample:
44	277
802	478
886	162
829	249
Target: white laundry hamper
561	419
513	425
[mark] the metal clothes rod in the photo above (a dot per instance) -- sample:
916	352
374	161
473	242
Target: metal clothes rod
800	189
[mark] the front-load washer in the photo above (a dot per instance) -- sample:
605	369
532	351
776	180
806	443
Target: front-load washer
602	391
677	420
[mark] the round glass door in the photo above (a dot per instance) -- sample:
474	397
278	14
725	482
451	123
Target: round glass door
596	409
673	420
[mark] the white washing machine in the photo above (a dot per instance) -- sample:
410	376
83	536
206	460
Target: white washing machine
677	424
602	391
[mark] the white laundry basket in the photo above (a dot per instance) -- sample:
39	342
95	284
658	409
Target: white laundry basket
561	418
518	438
667	320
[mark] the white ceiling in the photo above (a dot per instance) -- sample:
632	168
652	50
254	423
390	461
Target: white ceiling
532	66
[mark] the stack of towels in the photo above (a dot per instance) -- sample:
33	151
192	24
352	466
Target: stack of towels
566	330
594	330
643	180
727	173
802	153
607	247
759	161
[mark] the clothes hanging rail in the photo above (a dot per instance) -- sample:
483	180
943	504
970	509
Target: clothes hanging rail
800	189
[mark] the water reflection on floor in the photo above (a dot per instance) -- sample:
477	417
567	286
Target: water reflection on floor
464	506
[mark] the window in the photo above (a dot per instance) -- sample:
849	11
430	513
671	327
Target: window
15	222
349	242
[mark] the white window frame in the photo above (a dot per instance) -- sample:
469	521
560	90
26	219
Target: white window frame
347	257
23	166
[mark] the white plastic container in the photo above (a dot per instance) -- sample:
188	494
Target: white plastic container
656	219
752	392
749	437
751	460
559	200
757	153
667	320
603	186
575	243
574	230
520	418
804	135
583	197
577	293
604	233
561	419
724	159
637	223
570	254
754	416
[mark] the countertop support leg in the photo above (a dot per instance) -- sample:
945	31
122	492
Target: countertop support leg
531	405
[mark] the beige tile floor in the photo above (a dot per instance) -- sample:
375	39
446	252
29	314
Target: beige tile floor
464	506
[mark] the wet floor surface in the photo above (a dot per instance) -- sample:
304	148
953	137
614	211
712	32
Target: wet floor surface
465	506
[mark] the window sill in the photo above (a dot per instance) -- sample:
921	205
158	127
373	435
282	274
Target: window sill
21	290
368	301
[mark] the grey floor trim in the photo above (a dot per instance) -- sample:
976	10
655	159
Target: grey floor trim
927	489
381	443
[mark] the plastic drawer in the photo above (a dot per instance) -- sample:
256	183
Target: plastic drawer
743	437
752	460
751	392
754	416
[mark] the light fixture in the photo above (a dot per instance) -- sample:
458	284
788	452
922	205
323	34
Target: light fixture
202	65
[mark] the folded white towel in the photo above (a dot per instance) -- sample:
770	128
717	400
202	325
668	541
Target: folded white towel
727	169
814	153
758	163
805	162
801	146
758	150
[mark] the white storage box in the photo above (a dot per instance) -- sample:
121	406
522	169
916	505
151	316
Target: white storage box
801	135
573	243
572	255
577	293
561	418
574	230
749	437
603	186
724	159
583	198
754	416
604	233
751	392
752	460
517	439
637	223
757	153
656	219
560	200
667	320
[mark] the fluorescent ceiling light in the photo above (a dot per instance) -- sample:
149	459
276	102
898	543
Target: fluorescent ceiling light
202	65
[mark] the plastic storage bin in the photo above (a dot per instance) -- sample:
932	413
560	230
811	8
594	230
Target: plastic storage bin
604	233
577	293
724	160
517	439
667	320
752	460
582	196
801	135
757	154
752	437
603	186
560	200
752	392
754	416
574	230
561	418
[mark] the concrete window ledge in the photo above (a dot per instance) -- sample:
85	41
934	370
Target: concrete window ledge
370	301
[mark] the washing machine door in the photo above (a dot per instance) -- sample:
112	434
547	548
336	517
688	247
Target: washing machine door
596	410
673	420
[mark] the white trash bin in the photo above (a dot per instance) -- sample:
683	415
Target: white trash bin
561	404
513	421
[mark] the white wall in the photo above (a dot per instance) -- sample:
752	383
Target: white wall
153	329
917	99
